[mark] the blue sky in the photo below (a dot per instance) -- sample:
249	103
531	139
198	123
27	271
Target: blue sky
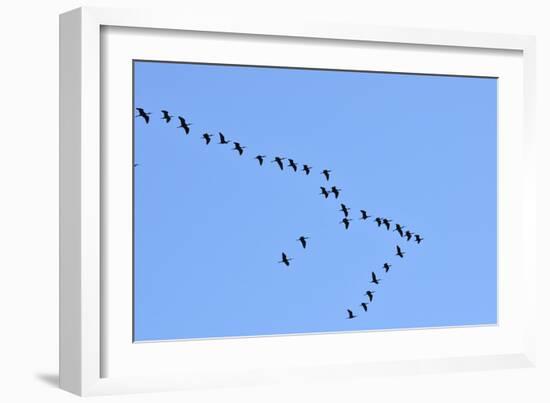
210	226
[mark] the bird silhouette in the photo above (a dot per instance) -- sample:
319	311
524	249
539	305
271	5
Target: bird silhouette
302	240
408	235
166	116
418	239
370	294
350	314
286	260
346	221
344	209
136	165
222	139
324	192
335	191
238	147
306	169
399	253
378	221
326	172
260	158
184	125
292	164
374	279
279	161
364	305
364	215
399	229
207	137
386	267
386	223
143	114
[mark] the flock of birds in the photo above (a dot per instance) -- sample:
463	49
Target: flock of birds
326	191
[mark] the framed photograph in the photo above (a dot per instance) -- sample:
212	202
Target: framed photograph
247	202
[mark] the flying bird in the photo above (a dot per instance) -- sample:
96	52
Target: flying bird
302	240
306	169
386	267
136	165
399	229
238	147
399	253
346	221
418	239
370	294
324	192
378	221
350	314
166	116
292	164
408	235
143	114
335	191
326	172
222	139
286	260
386	223
260	158
279	161
184	125
374	279
207	138
364	305
364	215
344	209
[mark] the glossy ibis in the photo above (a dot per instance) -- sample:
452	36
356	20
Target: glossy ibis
346	221
302	240
166	116
286	260
143	114
279	161
399	252
370	294
260	158
238	148
184	125
222	139
344	209
364	215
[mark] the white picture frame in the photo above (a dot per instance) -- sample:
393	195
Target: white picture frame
97	355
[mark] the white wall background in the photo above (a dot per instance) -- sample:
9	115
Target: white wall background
29	187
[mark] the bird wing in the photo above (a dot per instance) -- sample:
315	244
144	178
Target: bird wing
146	117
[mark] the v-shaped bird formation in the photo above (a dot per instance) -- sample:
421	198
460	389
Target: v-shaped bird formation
326	191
